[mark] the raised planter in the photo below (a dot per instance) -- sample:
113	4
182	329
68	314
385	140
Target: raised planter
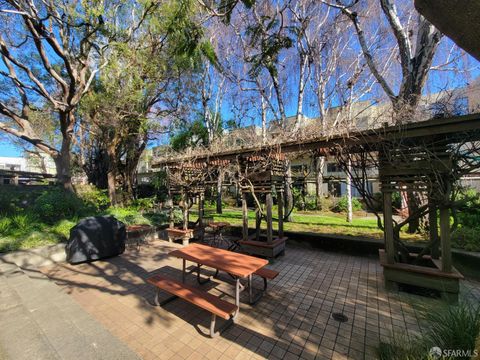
184	235
429	277
263	248
138	234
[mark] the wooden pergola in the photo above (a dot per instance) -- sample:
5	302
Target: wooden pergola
411	157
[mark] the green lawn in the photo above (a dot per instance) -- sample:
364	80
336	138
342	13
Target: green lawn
324	223
24	231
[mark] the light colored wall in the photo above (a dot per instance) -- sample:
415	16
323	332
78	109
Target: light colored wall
19	163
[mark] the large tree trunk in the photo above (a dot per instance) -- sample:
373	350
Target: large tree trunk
63	158
134	153
112	173
349	193
288	191
62	165
319	166
413	205
219	191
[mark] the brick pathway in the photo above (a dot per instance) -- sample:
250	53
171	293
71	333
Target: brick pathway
293	320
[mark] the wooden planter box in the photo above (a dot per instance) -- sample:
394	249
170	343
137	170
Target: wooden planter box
141	233
262	248
184	235
447	283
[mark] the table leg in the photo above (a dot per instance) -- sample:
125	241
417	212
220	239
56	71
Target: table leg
250	290
199	280
184	269
237	298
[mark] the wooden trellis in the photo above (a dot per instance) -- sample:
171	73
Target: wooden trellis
423	168
261	176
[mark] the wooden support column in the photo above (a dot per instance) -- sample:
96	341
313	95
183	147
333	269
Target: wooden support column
445	239
388	227
171	217
185	210
280	212
269	205
258	222
201	208
433	228
244	217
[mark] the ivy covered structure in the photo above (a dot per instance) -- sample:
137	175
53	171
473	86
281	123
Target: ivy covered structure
421	160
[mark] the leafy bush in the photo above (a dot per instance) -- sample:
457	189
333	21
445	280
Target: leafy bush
455	327
327	204
309	203
466	238
23	222
5	225
128	215
58	204
18	198
342	204
93	197
469	209
378	201
144	204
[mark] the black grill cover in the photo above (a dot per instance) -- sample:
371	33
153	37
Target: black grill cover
95	238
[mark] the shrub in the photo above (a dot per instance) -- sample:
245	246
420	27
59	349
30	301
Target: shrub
93	197
469	211
378	201
342	204
23	222
454	327
327	204
5	225
308	204
128	215
58	204
144	204
466	238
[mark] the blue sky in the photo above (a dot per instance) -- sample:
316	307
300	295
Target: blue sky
7	149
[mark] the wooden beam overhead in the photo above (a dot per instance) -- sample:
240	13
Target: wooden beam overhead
449	129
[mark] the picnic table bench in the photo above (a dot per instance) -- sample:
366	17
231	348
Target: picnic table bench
236	265
200	298
266	274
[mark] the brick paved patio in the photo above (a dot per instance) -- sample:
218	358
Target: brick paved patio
293	320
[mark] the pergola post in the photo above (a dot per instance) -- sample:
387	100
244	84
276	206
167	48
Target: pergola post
280	212
445	239
269	206
185	210
433	227
258	222
171	217
201	208
244	216
388	227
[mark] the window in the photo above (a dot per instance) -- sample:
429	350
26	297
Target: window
333	167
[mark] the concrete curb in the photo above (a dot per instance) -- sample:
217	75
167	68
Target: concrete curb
37	257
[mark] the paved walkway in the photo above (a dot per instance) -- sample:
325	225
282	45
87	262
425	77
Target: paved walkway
293	320
38	321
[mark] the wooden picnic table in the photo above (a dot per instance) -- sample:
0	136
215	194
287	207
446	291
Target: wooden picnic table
239	266
217	228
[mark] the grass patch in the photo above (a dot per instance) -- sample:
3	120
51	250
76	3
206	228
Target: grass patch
322	223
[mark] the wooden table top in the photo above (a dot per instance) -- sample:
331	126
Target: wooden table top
219	224
231	262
